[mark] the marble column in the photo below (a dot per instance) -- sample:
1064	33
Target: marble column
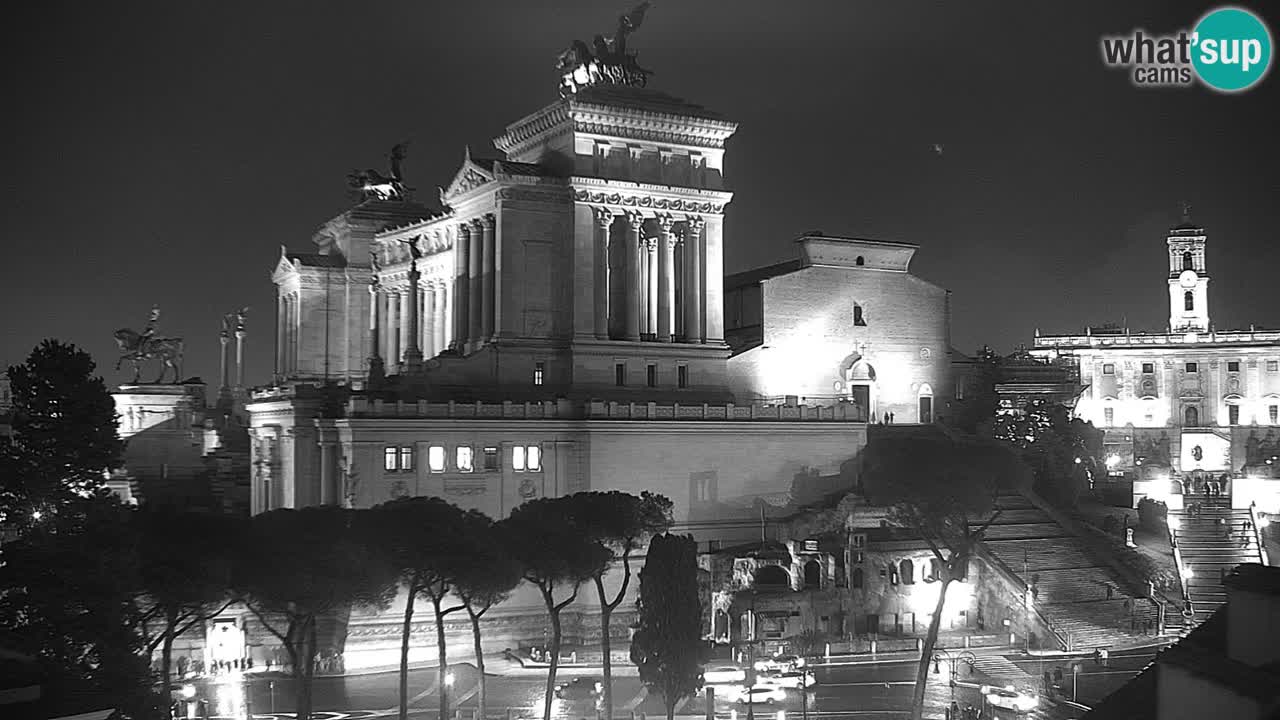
427	308
475	270
651	287
666	277
461	295
412	316
393	327
604	222
634	222
488	275
438	315
693	286
328	474
446	316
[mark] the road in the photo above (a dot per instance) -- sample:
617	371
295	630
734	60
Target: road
862	691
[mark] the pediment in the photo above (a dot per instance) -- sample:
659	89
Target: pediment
469	177
284	267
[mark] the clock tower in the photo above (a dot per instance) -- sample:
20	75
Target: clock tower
1188	279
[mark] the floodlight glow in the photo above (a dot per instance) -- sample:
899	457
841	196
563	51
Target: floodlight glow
1174	523
188	691
1112	461
1186	572
448	679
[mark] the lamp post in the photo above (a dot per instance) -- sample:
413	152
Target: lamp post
448	683
751	662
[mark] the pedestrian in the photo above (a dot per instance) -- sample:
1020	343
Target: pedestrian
886	418
890	418
1111	591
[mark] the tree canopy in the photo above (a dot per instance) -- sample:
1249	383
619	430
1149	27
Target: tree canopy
1062	451
668	647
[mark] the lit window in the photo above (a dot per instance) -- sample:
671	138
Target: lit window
651	375
406	458
389	459
682	376
1193	367
533	458
517	458
859	540
491	458
1188	301
1233	414
620	374
1148	368
960	391
1109	369
1109	416
538	369
435	458
1233	366
1273	366
464	458
1274	413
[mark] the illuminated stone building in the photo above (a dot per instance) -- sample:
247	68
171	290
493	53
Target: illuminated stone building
558	324
1190	403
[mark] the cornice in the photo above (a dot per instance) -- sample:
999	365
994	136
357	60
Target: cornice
656	127
596	191
550	120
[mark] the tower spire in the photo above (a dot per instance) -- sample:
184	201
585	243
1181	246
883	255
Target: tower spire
1186	211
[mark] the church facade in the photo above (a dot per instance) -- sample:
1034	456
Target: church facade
562	322
1189	404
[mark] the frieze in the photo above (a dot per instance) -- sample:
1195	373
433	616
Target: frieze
647	202
548	195
464	490
661	136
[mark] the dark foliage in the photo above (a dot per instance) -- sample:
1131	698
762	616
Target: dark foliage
667	647
1050	442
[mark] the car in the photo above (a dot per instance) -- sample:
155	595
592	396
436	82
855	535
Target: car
779	663
724	674
1010	699
793	680
759	695
583	688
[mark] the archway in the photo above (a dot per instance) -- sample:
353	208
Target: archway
721	624
812	574
925	401
855	581
859	378
1191	416
772	576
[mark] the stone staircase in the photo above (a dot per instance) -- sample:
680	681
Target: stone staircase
1211	543
1084	599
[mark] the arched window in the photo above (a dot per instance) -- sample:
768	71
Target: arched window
907	572
1188	301
859	262
856	581
935	570
812	574
857	316
1188	261
1191	416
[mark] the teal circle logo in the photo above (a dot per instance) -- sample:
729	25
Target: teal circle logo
1231	49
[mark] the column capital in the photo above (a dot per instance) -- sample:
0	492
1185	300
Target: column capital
649	243
464	228
604	217
695	222
667	223
635	219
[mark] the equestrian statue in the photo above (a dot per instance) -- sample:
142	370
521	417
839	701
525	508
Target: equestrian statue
138	346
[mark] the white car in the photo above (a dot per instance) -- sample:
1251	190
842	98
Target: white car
793	680
1010	699
779	663
724	674
759	695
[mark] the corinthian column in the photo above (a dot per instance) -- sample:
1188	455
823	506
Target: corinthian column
437	318
487	278
604	221
651	287
461	286
694	301
634	223
412	352
474	273
666	277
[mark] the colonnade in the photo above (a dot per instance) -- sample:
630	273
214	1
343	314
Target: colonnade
650	288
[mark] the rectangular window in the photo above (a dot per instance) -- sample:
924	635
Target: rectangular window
517	458
682	376
651	375
1273	413
1193	367
435	458
1233	366
960	391
1109	416
1109	369
859	540
538	369
1273	366
390	459
1233	414
1148	368
491	458
464	458
533	458
620	374
406	459
811	546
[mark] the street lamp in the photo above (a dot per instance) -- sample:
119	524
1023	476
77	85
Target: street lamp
448	683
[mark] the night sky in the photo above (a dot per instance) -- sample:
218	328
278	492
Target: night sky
160	153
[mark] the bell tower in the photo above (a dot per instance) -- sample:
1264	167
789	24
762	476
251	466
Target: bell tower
1188	278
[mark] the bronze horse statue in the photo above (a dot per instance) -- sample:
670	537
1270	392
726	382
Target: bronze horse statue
136	348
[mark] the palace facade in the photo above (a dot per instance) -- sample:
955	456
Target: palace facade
1190	403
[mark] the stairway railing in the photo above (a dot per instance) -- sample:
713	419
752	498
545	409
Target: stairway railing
1014	579
1257	533
1182	575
